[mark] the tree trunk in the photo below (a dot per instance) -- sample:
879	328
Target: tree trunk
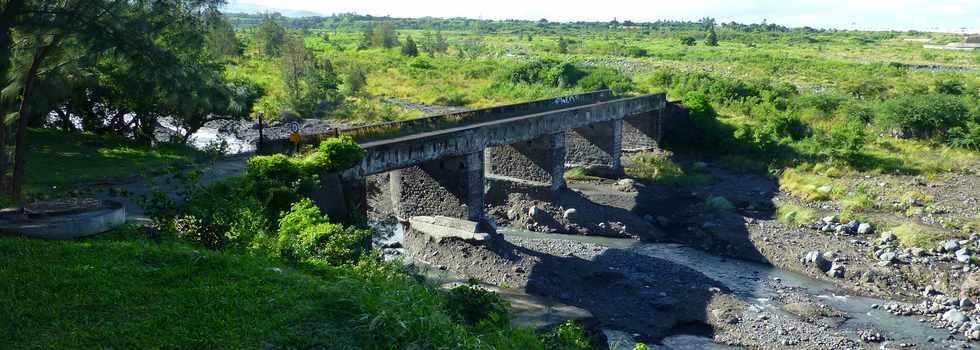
20	149
8	18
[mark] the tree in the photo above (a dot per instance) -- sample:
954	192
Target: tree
441	45
355	80
310	86
384	36
689	41
221	39
271	37
562	45
409	48
712	38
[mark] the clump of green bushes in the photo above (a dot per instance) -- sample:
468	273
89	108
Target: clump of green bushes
566	75
924	115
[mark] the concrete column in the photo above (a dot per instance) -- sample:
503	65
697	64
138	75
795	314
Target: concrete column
343	199
597	146
642	131
452	187
541	159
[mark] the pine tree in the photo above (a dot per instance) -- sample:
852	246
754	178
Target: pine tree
409	48
712	39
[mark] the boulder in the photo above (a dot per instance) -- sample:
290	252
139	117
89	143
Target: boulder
955	317
865	228
951	245
829	219
963	255
815	259
887	257
569	214
825	189
887	237
836	270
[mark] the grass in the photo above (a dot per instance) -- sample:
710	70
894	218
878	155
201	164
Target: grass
796	215
58	158
918	235
809	186
121	291
661	169
576	173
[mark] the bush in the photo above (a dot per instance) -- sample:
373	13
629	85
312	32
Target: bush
472	305
689	41
218	216
967	136
826	102
843	143
305	234
950	87
567	336
636	52
924	115
602	78
335	154
546	72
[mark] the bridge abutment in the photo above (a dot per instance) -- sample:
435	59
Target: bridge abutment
541	159
452	187
643	131
597	146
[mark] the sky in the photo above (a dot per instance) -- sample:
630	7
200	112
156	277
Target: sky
927	15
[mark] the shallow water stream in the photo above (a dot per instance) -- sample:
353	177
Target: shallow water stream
747	281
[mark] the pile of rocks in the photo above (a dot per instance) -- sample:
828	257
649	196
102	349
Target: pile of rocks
830	263
958	315
961	252
832	224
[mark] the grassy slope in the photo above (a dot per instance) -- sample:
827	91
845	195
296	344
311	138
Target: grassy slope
58	158
123	291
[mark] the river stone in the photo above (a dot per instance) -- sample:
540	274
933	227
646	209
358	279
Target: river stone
837	270
851	227
569	214
864	228
917	252
888	237
825	189
815	259
964	255
829	219
887	257
951	245
966	303
512	214
956	317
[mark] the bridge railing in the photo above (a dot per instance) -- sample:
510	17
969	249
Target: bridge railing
405	127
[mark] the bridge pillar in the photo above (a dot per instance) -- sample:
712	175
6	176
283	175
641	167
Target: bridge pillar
643	131
341	198
597	146
541	159
452	187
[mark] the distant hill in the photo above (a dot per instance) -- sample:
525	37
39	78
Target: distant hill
252	9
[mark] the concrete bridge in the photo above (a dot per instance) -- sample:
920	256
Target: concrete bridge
438	165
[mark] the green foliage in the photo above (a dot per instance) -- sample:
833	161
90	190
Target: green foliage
842	144
689	41
355	81
950	87
637	52
661	169
562	45
923	115
409	48
547	72
826	102
641	346
712	38
568	335
335	154
219	216
272	37
967	136
311	85
796	215
603	78
220	38
305	234
472	305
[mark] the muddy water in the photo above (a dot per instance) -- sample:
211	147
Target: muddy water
747	281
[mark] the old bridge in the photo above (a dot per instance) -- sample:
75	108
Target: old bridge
438	165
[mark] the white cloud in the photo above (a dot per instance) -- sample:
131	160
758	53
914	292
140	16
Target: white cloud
866	14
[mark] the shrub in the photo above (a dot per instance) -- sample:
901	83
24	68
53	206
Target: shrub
547	72
421	62
602	78
335	154
472	305
950	87
660	169
689	41
636	52
568	335
218	216
923	115
304	233
967	136
826	102
796	215
842	144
